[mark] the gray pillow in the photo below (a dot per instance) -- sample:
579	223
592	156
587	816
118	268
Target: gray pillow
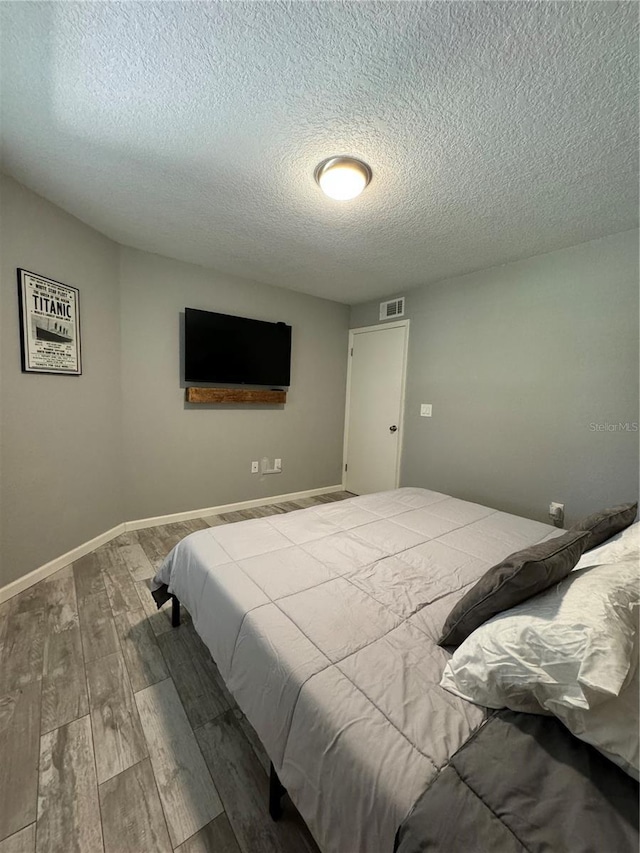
606	523
515	579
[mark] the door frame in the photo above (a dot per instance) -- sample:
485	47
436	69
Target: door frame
345	442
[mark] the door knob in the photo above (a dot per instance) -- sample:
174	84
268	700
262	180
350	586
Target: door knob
393	428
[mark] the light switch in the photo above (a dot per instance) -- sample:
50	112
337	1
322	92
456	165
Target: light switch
425	410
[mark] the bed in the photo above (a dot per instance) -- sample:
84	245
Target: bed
324	625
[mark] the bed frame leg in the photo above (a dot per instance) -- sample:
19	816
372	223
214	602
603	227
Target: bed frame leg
175	611
276	792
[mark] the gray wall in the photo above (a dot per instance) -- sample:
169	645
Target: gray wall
60	436
78	455
180	457
518	361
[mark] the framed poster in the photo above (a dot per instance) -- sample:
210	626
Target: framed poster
49	325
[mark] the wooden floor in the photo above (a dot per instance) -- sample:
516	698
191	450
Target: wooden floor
117	733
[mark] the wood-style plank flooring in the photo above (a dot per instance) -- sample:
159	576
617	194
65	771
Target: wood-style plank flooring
117	733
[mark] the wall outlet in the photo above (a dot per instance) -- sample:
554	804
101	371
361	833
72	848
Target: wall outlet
265	466
556	513
255	467
426	410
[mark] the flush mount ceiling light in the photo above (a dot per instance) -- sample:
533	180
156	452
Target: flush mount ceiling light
342	178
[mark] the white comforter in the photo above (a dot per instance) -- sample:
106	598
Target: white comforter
323	623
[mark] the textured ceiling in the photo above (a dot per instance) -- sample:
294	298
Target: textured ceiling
494	130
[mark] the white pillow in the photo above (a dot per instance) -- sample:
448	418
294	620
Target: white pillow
569	647
572	651
622	546
613	727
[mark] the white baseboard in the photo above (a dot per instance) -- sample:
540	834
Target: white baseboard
216	510
49	568
43	572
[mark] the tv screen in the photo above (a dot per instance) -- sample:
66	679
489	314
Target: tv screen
223	348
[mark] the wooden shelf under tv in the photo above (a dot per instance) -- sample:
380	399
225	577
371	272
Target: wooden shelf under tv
234	395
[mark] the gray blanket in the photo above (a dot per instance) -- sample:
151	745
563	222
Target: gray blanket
323	623
524	784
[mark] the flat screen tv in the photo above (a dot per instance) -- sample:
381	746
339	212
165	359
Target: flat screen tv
223	348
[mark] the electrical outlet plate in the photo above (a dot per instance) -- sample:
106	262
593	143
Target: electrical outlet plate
426	410
255	467
556	513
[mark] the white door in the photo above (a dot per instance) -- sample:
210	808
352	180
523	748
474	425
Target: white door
375	399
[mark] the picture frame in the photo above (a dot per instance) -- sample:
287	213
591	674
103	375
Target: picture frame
49	325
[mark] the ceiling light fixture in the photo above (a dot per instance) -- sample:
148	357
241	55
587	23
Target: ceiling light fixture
342	178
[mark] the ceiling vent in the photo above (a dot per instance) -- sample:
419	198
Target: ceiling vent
392	309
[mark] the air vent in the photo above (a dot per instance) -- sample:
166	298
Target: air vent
392	309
